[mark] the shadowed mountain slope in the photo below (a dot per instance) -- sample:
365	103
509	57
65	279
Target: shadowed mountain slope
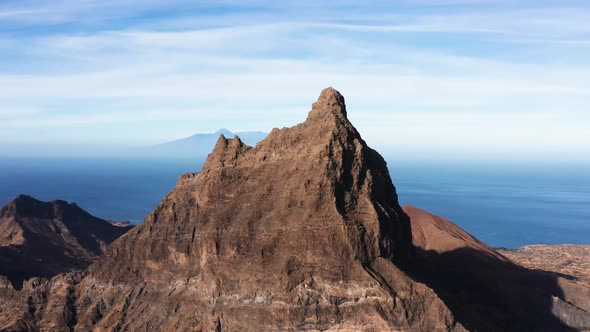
485	290
42	239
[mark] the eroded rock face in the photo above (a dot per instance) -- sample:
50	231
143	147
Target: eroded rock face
42	239
302	232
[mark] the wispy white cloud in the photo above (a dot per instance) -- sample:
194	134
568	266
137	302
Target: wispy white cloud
17	112
468	75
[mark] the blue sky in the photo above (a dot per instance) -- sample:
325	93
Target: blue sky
465	79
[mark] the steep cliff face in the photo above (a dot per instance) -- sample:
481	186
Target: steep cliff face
316	189
301	232
42	239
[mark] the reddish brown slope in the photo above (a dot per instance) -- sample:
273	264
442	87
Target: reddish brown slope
485	290
433	233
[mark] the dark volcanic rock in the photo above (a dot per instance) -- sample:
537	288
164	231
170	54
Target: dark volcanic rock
42	239
302	232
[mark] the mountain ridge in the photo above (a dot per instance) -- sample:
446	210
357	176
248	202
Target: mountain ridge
46	238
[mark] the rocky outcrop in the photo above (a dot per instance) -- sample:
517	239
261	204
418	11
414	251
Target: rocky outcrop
485	290
302	232
195	146
42	239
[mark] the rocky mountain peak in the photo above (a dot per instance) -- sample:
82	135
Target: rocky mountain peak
223	143
326	132
301	232
310	210
330	101
225	153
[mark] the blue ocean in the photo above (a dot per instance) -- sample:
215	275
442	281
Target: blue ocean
505	206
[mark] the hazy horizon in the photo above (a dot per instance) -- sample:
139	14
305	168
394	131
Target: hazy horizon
403	154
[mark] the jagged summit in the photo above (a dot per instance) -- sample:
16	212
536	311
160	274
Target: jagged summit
326	125
223	141
330	100
330	106
225	152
